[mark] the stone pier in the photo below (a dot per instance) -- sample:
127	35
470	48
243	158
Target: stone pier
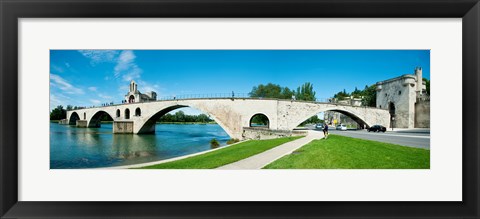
123	127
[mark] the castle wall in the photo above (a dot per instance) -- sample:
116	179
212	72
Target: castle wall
422	114
401	92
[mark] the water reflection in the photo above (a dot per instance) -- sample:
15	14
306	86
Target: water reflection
72	147
123	147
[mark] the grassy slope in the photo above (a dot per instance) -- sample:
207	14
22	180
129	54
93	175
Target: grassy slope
339	152
223	156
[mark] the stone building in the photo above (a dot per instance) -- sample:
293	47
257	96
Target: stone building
134	96
406	99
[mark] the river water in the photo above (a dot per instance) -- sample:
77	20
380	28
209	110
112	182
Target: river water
72	147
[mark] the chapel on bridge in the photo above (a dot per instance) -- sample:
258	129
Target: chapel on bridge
134	96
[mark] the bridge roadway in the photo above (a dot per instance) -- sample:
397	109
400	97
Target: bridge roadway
417	140
232	114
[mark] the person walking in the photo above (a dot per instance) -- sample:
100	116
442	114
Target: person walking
325	131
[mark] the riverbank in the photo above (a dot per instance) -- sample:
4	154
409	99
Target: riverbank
222	156
340	152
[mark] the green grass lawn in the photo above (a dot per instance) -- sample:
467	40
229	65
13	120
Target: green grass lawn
223	156
339	152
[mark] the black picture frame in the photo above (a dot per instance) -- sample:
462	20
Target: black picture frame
12	10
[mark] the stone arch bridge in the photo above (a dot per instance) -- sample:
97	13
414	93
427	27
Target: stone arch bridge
232	114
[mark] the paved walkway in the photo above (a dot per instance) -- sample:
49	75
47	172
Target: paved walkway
260	160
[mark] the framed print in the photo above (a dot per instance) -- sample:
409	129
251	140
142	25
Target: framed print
239	109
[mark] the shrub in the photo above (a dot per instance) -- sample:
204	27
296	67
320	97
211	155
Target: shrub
233	140
214	143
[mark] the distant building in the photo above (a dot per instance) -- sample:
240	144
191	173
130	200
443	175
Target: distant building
134	96
406	99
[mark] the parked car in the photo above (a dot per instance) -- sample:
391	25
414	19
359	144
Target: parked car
377	128
319	126
342	127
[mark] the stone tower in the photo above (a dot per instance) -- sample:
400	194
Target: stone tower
399	96
418	74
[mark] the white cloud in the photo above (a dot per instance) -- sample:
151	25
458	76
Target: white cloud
67	64
64	85
96	102
56	68
92	88
54	101
123	88
103	96
58	99
98	56
125	62
147	87
126	66
132	74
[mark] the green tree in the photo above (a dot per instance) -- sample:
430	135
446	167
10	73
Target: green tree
58	113
267	91
180	116
202	118
342	95
287	93
312	120
357	93
259	120
305	92
369	96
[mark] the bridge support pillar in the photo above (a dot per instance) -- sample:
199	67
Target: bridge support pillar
82	123
123	127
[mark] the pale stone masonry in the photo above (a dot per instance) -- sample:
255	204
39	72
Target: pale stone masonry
402	97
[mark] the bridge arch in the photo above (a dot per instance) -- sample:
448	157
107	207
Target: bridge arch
360	121
357	118
95	120
259	118
73	118
118	113
149	124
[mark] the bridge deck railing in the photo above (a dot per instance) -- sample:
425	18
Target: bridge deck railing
213	95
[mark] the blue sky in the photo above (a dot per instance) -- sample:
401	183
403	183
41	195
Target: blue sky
93	77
